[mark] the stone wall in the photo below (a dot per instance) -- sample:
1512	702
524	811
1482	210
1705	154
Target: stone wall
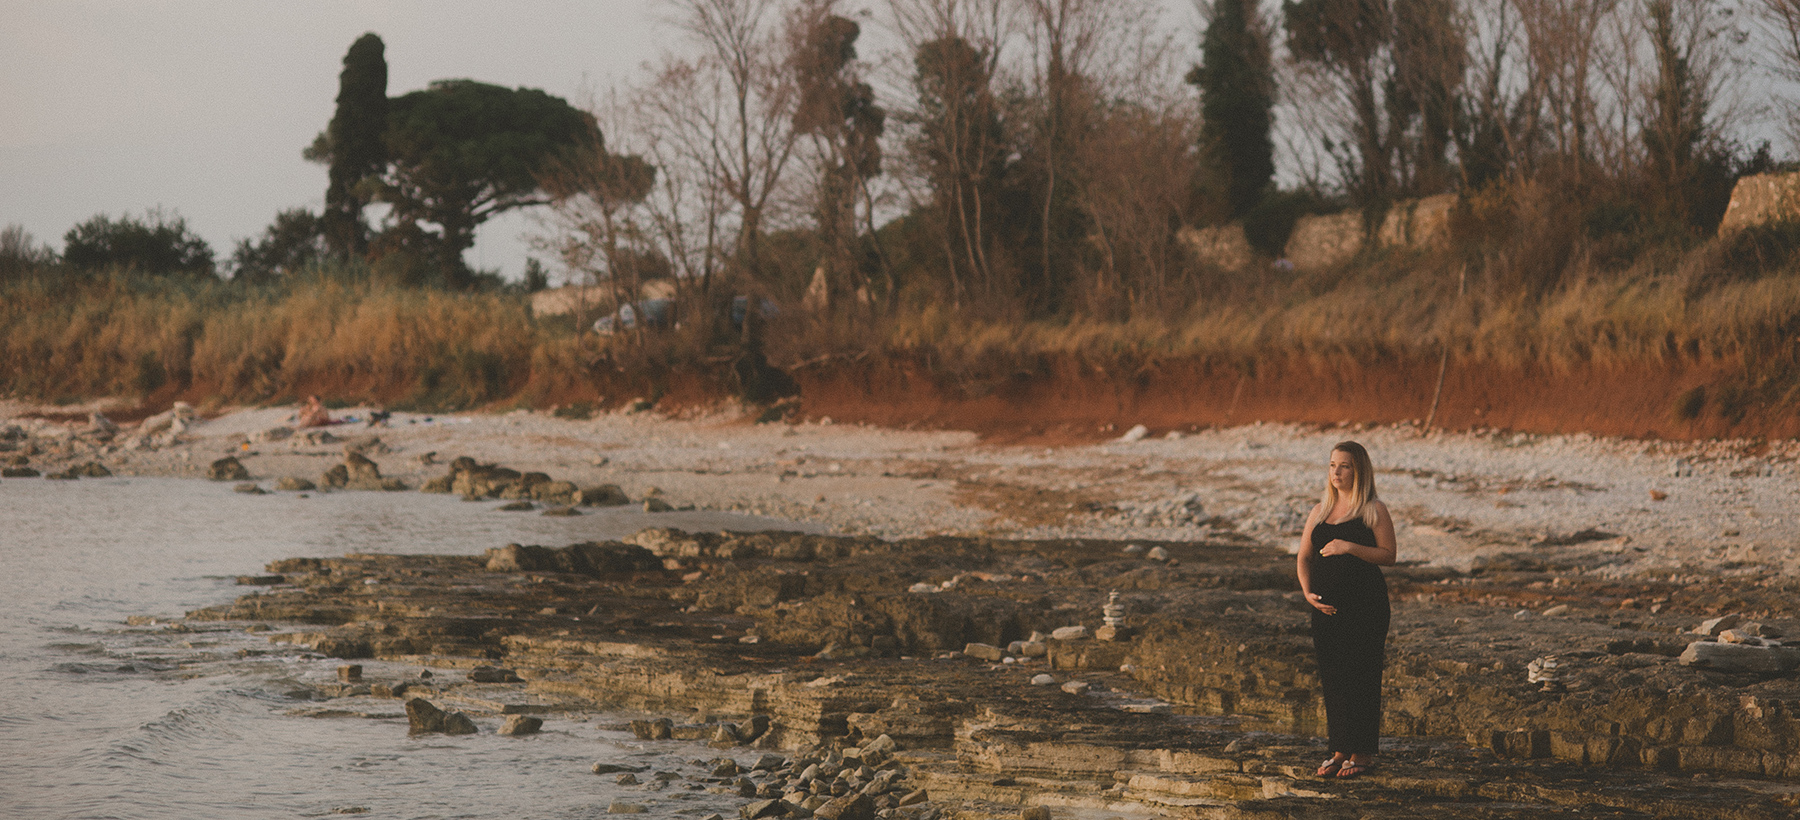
1324	240
1762	199
1222	246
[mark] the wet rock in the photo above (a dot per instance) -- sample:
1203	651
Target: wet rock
518	506
626	779
562	493
249	488
491	674
658	729
622	807
562	512
260	580
18	472
725	767
519	725
657	505
92	469
292	484
227	469
423	716
335	478
986	652
604	495
612	768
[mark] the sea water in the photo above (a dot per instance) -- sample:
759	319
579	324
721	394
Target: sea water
99	719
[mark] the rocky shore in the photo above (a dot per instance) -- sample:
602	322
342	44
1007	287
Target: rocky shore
974	669
1582	626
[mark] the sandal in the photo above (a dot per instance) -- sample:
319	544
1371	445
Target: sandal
1331	767
1352	769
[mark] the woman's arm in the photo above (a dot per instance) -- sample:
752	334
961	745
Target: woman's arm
1303	563
1385	551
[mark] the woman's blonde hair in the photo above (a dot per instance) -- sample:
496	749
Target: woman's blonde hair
1362	484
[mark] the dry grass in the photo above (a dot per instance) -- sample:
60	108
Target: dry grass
72	337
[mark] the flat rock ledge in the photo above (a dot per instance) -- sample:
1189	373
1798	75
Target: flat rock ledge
1533	686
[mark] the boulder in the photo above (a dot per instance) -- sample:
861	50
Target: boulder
92	469
292	484
423	716
657	505
227	469
658	729
1713	627
1737	657
556	492
490	674
983	651
18	472
517	725
849	807
605	495
601	767
362	474
335	478
457	723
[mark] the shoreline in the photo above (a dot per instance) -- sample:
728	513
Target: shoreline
950	549
1459	499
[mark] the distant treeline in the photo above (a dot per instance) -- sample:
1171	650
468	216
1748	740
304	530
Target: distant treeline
1013	177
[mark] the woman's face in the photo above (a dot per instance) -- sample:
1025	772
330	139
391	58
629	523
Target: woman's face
1343	471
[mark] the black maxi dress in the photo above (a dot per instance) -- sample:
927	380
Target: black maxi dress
1351	645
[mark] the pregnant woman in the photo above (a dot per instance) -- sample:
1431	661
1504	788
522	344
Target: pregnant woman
1348	539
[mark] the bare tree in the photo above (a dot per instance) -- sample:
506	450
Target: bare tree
749	132
956	139
837	110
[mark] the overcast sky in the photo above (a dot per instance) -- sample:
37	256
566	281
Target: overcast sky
202	107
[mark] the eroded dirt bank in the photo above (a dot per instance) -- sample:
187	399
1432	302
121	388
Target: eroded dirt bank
1062	398
1203	707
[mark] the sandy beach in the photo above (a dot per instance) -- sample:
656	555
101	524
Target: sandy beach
1714	507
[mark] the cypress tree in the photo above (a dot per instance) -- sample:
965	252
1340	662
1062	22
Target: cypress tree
1237	90
352	145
